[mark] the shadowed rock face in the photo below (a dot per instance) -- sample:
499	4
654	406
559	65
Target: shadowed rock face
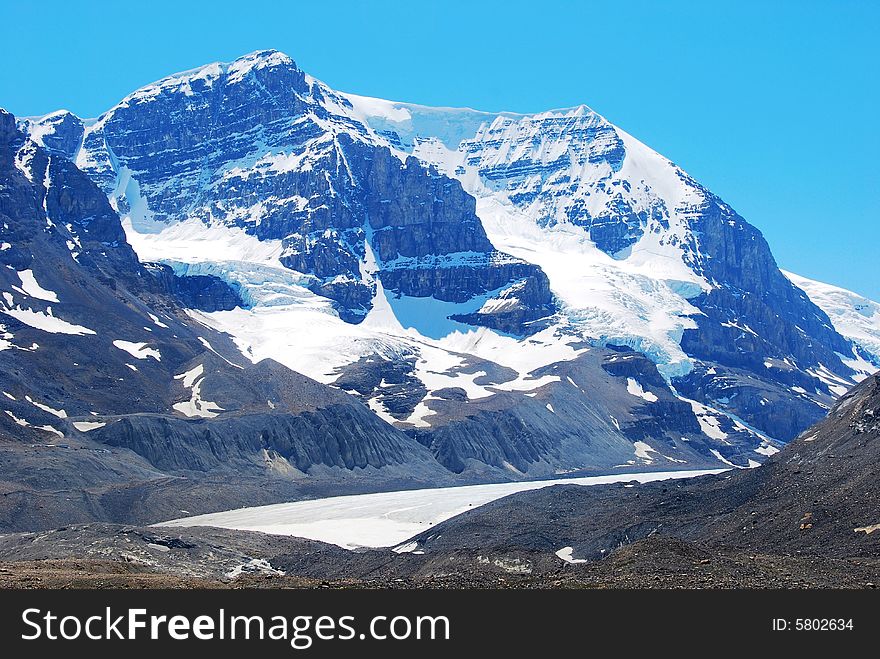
755	314
109	384
202	292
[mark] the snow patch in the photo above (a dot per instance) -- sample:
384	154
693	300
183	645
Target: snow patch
566	555
255	565
20	422
721	458
31	287
46	321
157	322
61	414
709	420
195	406
634	388
379	409
86	426
190	376
138	350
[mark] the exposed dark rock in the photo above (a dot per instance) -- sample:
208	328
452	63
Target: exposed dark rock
757	316
390	382
202	292
585	421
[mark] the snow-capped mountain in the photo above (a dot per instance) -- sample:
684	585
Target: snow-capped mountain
524	294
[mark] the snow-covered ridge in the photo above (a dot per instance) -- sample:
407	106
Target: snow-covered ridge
411	121
207	74
854	316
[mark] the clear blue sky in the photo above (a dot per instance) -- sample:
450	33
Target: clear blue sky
772	105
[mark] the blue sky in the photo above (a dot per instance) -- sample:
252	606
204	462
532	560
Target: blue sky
772	105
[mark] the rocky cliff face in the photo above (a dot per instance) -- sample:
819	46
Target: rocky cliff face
755	322
549	152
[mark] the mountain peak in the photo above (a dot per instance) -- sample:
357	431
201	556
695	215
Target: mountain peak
270	56
205	76
259	59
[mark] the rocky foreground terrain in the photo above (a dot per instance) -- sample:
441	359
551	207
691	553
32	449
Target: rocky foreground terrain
805	519
100	556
